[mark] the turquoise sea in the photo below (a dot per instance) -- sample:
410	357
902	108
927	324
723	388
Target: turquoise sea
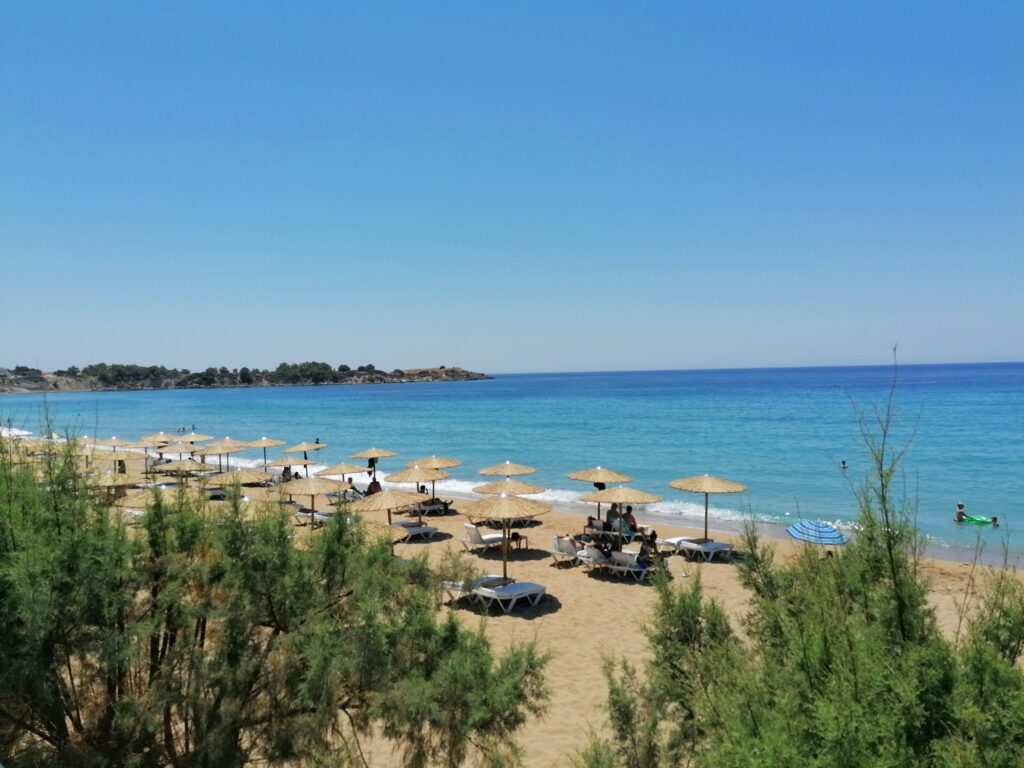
781	432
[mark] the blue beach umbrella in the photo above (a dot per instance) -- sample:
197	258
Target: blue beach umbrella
817	532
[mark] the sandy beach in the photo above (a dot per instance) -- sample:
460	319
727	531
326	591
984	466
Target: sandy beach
587	618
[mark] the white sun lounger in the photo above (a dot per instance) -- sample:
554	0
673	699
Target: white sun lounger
564	551
417	531
476	541
592	557
694	548
457	589
508	595
622	563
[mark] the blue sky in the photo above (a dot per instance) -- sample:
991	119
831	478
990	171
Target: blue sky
511	187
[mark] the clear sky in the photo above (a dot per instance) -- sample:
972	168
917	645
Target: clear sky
511	186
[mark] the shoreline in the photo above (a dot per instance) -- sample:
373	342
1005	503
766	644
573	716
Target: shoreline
936	549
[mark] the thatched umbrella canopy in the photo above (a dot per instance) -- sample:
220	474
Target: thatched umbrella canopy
183	468
621	496
312	487
192	437
599	476
434	462
220	449
109	442
507	469
508	487
264	443
506	509
418	475
161	437
707	484
178	448
344	468
386	501
372	455
243	477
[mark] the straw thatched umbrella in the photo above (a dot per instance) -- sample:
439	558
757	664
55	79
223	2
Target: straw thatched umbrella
599	476
110	442
115	479
707	484
288	461
372	455
434	462
243	477
312	487
506	509
192	437
507	469
182	468
419	475
220	449
264	443
304	449
344	468
179	448
509	487
161	437
386	501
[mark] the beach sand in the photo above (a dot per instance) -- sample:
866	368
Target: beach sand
588	618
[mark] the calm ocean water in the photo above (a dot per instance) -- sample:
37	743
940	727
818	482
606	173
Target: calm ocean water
782	432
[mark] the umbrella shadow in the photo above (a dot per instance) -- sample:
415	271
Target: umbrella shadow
516	555
438	536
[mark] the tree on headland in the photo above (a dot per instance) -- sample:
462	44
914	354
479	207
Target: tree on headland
210	638
840	662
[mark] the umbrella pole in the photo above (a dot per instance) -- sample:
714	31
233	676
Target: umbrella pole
705	515
312	511
506	524
264	458
599	510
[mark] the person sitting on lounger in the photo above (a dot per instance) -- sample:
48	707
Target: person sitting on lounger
286	475
373	487
629	520
649	553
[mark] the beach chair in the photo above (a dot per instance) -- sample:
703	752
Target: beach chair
671	546
417	531
456	590
592	557
564	551
694	549
480	542
623	563
508	595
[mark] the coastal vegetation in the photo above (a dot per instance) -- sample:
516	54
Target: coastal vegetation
119	376
209	637
839	661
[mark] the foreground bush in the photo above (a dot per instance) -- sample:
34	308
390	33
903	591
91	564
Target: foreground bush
204	638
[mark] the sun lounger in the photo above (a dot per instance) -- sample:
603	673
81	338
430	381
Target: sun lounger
417	531
564	551
478	542
697	548
508	595
458	589
592	557
623	563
